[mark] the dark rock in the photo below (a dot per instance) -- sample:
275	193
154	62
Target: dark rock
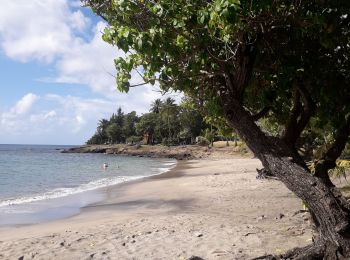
92	255
261	217
62	244
198	234
21	257
195	258
123	244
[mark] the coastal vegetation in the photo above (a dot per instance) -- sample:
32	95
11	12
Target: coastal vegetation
251	63
166	123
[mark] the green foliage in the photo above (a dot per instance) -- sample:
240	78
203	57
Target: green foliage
343	166
129	124
271	127
116	129
186	45
338	172
148	124
113	132
133	139
242	147
156	106
167	123
192	46
170	141
202	141
209	134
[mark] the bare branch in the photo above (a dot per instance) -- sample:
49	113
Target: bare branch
262	113
245	58
309	108
304	110
139	84
289	134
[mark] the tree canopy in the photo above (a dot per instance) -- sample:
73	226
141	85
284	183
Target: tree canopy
298	50
167	123
287	61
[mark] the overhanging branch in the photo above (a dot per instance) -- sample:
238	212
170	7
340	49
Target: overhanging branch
262	113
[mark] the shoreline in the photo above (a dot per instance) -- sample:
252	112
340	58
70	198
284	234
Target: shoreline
66	206
180	152
215	209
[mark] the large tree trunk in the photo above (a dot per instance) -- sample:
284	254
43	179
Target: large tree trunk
330	209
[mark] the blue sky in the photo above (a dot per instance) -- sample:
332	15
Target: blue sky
55	79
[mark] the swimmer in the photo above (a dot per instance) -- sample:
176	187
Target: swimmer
105	166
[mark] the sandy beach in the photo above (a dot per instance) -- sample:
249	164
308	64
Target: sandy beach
213	209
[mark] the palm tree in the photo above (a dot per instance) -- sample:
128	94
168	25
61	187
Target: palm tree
101	129
156	106
168	111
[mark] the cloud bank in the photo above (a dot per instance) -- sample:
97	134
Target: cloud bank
57	34
67	117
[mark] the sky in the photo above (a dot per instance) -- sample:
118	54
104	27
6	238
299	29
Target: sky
56	79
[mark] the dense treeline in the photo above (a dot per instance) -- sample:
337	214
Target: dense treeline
166	123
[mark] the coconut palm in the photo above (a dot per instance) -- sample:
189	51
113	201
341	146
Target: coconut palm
156	106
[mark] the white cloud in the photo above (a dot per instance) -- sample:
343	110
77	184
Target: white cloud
50	31
37	29
78	21
56	34
13	118
24	104
89	63
52	119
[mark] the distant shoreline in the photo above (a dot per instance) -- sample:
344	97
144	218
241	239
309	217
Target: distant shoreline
181	152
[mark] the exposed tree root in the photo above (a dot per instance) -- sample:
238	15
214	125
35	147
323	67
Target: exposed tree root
310	252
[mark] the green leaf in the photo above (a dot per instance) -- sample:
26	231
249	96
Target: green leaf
180	40
139	43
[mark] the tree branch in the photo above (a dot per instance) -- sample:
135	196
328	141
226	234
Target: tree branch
262	113
328	160
304	110
309	108
289	134
245	58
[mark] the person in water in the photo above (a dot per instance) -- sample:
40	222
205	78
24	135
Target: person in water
105	166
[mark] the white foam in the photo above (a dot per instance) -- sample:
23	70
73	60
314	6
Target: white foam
162	170
62	192
169	163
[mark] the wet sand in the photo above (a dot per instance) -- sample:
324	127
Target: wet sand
214	209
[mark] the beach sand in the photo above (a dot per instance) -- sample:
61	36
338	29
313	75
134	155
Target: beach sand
214	209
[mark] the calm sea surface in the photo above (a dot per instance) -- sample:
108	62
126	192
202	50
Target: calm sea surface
32	174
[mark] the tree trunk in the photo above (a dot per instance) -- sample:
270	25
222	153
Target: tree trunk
330	212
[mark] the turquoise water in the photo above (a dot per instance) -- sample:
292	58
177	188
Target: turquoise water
33	174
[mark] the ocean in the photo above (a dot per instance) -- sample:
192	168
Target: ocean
39	183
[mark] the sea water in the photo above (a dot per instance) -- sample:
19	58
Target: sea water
40	183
